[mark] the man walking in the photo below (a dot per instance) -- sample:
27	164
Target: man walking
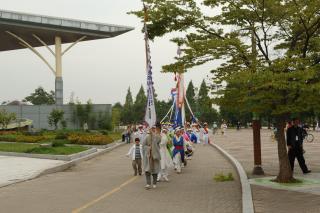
294	143
151	155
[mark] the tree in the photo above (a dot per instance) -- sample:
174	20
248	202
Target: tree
105	121
127	116
41	97
56	117
6	118
191	97
116	115
83	114
206	111
278	71
140	106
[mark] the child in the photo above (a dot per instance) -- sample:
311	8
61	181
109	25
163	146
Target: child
135	153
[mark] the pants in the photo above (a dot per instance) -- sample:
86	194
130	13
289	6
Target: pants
128	138
136	164
148	178
294	153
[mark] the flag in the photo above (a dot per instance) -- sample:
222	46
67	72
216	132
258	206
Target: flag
150	115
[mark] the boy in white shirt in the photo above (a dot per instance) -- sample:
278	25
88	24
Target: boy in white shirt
135	153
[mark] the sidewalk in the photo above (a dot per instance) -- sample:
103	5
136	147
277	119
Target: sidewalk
240	145
16	169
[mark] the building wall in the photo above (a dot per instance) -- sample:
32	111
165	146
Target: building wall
39	114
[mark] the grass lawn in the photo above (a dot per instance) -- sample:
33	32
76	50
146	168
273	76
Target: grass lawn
36	149
16	147
62	150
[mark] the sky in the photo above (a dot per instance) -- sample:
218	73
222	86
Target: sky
100	70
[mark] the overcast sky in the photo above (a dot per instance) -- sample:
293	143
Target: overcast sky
99	70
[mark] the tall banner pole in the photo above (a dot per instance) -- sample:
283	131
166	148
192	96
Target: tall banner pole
150	115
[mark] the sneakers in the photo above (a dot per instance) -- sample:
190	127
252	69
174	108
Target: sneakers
166	179
154	186
148	186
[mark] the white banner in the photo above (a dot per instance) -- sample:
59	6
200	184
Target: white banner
150	116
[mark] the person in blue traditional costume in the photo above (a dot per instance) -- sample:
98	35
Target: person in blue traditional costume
178	151
192	136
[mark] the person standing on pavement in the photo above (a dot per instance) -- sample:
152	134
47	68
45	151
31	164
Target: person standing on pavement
205	134
166	160
178	151
141	134
128	134
151	155
294	143
135	153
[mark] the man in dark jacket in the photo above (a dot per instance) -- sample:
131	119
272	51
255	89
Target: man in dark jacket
294	143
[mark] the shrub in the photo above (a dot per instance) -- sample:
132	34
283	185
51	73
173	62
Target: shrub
90	139
220	177
104	132
59	143
8	132
29	139
62	136
33	133
21	138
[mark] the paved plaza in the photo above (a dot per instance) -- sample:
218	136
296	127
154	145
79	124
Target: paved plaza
240	145
107	184
15	169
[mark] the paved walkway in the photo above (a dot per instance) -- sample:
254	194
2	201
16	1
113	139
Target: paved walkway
106	184
240	145
13	169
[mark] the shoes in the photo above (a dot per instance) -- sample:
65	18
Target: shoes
148	186
306	172
166	179
158	180
140	174
154	186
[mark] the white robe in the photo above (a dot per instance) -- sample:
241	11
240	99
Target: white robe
166	161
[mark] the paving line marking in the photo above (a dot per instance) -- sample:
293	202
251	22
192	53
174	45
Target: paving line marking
107	194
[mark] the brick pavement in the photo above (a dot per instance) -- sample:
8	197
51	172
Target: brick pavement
192	191
240	145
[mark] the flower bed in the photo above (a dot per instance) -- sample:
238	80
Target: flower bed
22	138
89	139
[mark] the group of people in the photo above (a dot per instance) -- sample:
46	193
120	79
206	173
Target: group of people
160	148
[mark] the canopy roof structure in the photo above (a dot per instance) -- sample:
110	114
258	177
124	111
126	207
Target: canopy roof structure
21	30
27	26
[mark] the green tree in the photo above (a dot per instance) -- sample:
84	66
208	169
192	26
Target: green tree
116	115
83	113
278	71
140	106
191	97
127	115
56	117
207	112
105	121
41	97
6	118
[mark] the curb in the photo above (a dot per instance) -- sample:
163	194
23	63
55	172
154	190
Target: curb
69	164
247	203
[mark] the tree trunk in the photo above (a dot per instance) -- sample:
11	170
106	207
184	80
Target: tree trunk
285	174
269	123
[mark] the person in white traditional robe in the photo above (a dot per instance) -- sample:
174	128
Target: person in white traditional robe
166	161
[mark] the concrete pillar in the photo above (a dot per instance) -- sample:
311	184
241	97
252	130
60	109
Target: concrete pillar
58	81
